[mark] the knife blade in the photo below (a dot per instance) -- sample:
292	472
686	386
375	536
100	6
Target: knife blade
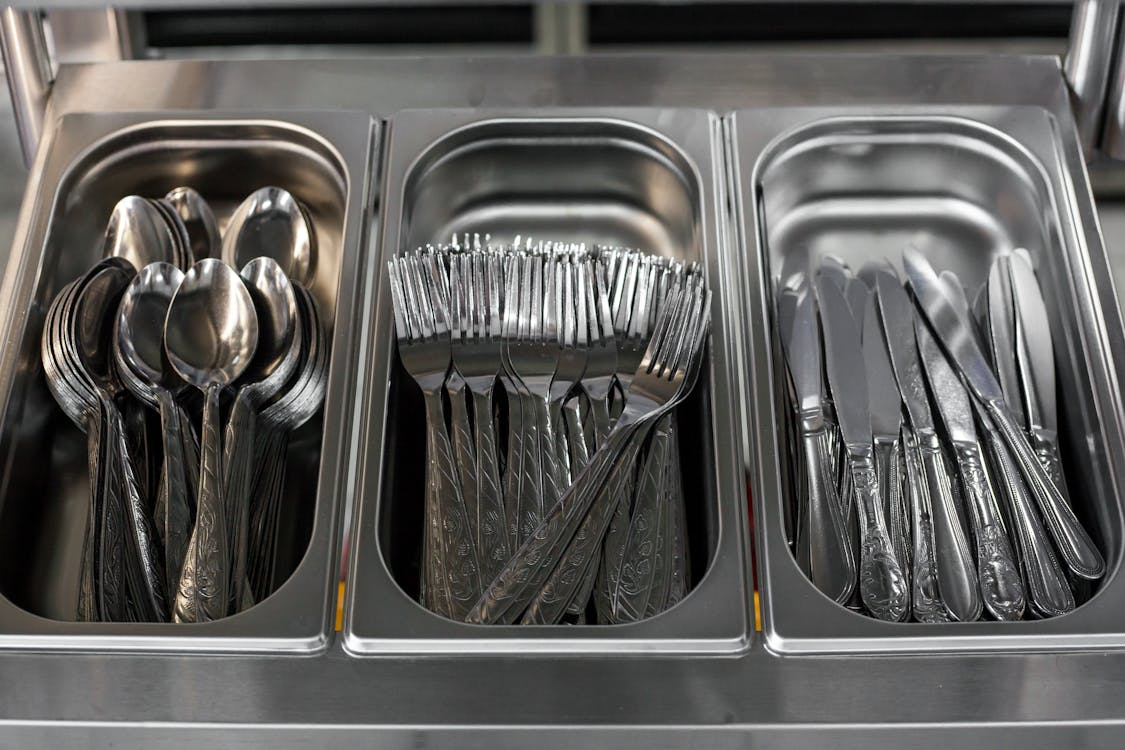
936	514
1035	360
1074	544
1000	584
1001	327
831	564
882	586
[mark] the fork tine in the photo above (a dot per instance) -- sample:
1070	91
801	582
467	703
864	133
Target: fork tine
459	306
656	342
417	303
578	282
493	284
398	303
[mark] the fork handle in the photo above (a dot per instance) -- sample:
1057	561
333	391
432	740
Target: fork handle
531	509
464	453
568	589
1074	544
513	466
579	452
492	539
458	580
512	591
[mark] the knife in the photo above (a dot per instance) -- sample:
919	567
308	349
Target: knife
882	586
1000	585
1047	590
1036	365
937	520
831	565
886	425
1074	544
1002	336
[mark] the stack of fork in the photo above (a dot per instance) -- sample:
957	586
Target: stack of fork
578	515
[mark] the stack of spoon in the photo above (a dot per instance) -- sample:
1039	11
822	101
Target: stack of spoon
187	532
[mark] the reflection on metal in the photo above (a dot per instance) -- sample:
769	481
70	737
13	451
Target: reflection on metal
1087	64
28	68
100	35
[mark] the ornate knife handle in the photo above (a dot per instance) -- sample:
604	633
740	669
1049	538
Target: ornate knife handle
1074	544
889	466
1048	591
926	602
1045	443
1000	584
461	583
882	586
832	565
957	575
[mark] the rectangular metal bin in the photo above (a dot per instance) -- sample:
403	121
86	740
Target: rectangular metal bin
643	178
960	184
92	161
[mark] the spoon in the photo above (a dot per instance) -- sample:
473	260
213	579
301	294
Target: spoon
210	335
198	219
271	223
139	232
143	367
276	357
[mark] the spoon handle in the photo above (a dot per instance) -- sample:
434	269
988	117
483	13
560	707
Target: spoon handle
238	452
110	552
174	513
89	593
202	594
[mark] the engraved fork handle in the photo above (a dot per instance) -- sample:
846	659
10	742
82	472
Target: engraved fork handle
576	437
831	565
1074	544
464	454
492	538
1048	592
513	466
531	507
551	464
457	577
1000	584
957	575
926	602
511	592
882	586
568	589
634	581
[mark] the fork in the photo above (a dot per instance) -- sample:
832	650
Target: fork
451	574
664	376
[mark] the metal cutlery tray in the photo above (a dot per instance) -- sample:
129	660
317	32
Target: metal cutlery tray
961	185
644	178
93	160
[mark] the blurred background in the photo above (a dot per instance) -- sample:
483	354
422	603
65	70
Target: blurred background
551	28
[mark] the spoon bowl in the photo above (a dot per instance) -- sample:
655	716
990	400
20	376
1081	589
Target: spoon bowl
211	330
139	232
198	219
272	223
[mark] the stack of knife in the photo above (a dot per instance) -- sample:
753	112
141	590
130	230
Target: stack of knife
928	478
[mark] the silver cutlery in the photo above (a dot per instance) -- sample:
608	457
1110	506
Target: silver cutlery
198	219
822	534
272	223
1074	544
211	333
883	587
940	541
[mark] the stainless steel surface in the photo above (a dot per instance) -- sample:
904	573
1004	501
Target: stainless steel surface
28	70
820	162
1087	65
1027	699
91	161
631	178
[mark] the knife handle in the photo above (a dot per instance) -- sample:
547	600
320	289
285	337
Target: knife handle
888	465
927	605
957	576
1048	592
1000	584
882	586
1074	544
831	564
1045	443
